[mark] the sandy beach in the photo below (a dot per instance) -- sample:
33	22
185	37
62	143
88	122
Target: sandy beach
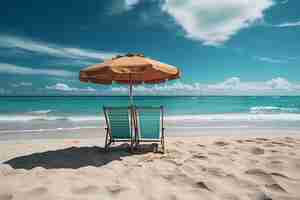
215	83
205	167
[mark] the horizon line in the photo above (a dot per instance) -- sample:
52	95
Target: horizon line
148	96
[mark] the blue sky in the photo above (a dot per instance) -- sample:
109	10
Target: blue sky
231	47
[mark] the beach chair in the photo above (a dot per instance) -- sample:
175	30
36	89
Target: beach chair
119	125
150	125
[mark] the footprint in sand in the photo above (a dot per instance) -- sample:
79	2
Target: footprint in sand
282	144
200	156
221	143
202	185
237	181
275	187
257	150
275	164
269	145
280	175
262	139
216	172
270	182
115	189
85	190
274	151
290	140
6	196
259	173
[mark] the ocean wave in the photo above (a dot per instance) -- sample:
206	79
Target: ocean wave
28	118
271	116
272	109
39	112
37	131
236	117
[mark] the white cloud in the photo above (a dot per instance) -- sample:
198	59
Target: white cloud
26	44
66	88
131	3
271	60
6	68
2	91
287	24
85	53
213	21
281	84
231	86
120	6
5	91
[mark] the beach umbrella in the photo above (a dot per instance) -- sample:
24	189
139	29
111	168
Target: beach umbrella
131	69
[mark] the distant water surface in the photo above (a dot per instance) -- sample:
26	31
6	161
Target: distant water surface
38	114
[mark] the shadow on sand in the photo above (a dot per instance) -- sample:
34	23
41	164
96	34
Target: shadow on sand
74	157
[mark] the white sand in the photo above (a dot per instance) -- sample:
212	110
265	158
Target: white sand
193	168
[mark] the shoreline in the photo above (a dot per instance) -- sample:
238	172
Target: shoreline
171	132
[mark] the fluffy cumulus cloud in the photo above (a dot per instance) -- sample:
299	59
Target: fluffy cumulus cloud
231	86
28	45
6	68
66	88
282	84
213	21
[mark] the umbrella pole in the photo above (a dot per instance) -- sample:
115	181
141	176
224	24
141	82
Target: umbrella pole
133	118
130	94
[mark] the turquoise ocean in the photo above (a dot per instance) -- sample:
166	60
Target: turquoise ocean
39	114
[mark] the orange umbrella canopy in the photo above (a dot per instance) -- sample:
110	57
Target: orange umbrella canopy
129	69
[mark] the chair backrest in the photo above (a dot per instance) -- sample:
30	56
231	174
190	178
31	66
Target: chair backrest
149	122
119	122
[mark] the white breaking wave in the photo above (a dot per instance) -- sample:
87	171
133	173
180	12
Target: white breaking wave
40	112
171	118
235	117
28	118
272	109
48	129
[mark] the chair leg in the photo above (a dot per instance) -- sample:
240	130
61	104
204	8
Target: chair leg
163	144
106	142
131	145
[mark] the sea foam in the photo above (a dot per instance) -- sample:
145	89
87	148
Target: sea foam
272	109
171	118
40	112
